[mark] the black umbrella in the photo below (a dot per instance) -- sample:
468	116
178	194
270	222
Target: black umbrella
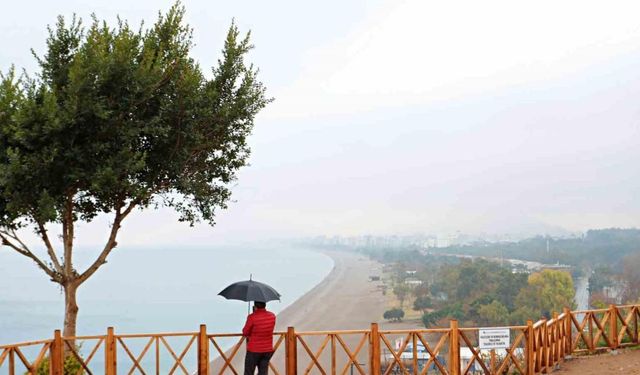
250	290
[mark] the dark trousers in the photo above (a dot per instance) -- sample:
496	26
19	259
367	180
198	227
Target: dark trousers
260	360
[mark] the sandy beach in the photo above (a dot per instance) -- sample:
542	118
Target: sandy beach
344	300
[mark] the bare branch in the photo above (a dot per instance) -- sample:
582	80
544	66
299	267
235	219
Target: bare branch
42	230
130	208
111	242
7	238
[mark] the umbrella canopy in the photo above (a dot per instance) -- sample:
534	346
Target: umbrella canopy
250	290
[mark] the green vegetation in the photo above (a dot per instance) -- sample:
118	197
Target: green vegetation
422	303
595	248
394	314
546	292
483	293
119	118
475	292
631	278
401	291
71	366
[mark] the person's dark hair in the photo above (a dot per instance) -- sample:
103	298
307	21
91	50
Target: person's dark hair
260	305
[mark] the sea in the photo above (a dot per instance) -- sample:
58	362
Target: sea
153	290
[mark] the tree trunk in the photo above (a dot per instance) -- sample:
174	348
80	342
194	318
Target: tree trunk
70	309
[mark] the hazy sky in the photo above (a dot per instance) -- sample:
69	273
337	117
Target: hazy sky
410	116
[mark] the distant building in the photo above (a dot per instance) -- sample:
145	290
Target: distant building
413	282
557	267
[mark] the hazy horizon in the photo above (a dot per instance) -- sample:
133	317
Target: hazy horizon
409	117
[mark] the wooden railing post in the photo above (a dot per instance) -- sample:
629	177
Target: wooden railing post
374	350
12	361
203	351
333	354
110	365
529	350
636	333
555	339
613	326
567	330
57	354
545	347
291	352
454	348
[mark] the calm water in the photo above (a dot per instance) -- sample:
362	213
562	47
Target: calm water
153	290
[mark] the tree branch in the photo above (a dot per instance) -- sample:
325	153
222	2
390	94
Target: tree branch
67	236
42	230
111	242
22	249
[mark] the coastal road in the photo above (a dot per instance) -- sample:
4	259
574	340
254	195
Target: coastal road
582	293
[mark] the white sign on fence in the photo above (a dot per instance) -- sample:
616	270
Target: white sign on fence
494	338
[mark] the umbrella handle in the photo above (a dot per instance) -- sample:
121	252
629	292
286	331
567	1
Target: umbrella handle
249	302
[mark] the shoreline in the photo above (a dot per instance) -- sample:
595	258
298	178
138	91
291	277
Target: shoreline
292	306
344	299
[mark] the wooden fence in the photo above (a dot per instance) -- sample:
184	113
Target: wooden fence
534	348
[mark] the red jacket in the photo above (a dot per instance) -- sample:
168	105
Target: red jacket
259	331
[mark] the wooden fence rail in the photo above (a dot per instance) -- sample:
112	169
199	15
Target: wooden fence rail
535	348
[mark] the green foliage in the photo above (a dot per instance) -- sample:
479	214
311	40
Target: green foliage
451	311
118	115
401	291
431	319
423	289
479	291
71	366
394	314
597	247
493	314
600	278
524	313
631	278
116	119
422	303
547	291
472	286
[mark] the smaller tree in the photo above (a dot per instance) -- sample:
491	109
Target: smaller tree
547	291
631	278
421	290
524	313
600	279
394	314
401	290
493	314
431	319
422	303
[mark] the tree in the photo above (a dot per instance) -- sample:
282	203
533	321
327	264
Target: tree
493	314
631	278
431	319
394	314
117	120
524	313
547	291
422	303
401	290
600	279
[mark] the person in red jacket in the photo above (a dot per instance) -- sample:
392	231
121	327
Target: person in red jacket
259	333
